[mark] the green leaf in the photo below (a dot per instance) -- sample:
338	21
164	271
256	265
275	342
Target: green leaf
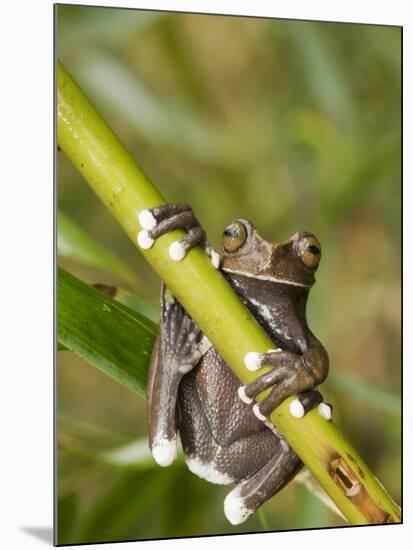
75	244
131	300
107	334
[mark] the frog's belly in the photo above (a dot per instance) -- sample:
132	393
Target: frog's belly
222	439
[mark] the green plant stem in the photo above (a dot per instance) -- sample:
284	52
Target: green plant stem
115	177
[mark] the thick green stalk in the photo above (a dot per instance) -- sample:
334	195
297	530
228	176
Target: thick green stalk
115	177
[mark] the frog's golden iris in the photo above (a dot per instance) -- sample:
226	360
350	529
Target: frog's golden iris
234	237
309	251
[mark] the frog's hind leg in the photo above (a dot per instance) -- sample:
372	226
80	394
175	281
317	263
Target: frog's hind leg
252	492
177	350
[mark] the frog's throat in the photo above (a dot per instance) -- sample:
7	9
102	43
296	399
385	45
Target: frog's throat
264	277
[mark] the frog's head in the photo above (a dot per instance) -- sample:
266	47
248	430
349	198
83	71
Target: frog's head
293	261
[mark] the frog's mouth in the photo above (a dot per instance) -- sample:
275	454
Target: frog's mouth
269	278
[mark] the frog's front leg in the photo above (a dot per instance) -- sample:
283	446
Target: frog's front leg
167	217
178	349
292	374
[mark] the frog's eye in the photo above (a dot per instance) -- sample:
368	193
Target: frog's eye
309	251
235	236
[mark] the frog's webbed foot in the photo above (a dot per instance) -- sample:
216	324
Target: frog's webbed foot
181	336
167	217
251	493
179	347
290	376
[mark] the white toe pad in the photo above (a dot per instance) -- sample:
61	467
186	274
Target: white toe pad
146	219
252	360
176	251
144	240
258	414
297	409
242	395
325	411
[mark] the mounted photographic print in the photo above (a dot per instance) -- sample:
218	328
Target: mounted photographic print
228	275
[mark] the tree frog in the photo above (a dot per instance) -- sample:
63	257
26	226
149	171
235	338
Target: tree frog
225	435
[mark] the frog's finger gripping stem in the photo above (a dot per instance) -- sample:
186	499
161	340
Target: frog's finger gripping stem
113	174
288	377
167	217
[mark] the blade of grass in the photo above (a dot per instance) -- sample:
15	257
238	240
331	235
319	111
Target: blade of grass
107	334
131	300
262	519
311	512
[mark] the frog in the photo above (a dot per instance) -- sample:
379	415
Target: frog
226	434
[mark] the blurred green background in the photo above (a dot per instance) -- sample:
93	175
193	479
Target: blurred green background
293	125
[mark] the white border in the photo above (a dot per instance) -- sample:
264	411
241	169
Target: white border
26	272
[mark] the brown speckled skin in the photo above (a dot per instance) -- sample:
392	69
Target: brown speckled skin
215	426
